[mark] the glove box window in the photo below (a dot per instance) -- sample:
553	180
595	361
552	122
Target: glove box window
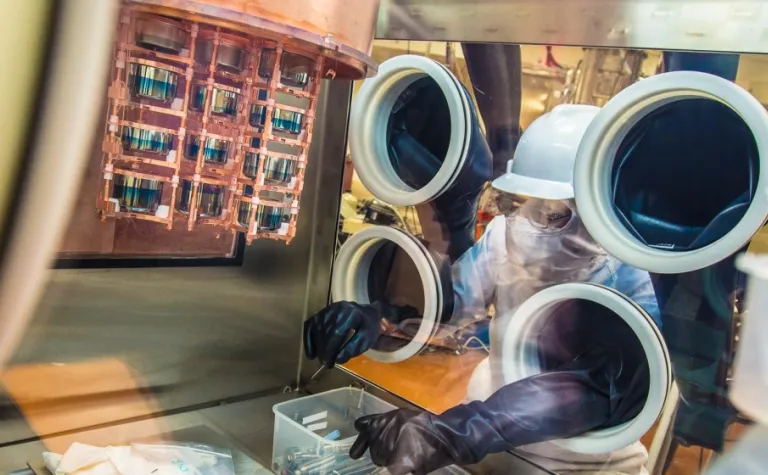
580	327
363	273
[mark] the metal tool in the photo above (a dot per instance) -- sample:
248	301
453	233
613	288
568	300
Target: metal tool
349	337
316	373
315	466
352	467
341	448
294	454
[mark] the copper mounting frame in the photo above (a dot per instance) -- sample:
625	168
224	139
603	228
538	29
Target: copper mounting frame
236	130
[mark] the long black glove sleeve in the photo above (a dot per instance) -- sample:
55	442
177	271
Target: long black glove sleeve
577	398
418	136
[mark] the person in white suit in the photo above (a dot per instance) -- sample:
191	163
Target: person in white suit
596	379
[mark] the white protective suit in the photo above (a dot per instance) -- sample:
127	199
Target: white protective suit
511	262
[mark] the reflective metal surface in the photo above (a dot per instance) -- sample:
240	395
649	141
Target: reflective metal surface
143	140
240	426
215	150
211	201
111	344
230	56
152	83
161	35
712	25
341	30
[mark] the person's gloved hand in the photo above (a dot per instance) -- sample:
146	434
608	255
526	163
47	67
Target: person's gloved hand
341	331
403	440
576	398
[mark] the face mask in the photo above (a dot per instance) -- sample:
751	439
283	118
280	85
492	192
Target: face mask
561	254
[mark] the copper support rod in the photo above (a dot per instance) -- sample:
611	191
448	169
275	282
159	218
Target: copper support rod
206	114
112	107
182	138
307	139
273	85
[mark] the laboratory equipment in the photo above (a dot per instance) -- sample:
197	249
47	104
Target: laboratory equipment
380	97
519	338
301	427
184	82
353	271
237	326
706	131
415	138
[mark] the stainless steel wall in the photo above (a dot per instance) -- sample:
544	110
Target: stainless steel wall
187	336
640	24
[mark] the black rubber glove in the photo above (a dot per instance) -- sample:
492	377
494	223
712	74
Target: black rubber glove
559	404
343	330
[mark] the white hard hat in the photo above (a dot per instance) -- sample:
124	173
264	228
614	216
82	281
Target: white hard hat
544	158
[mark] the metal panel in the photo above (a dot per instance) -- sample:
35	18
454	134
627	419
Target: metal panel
702	25
188	336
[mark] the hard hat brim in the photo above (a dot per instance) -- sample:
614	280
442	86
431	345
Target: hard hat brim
533	187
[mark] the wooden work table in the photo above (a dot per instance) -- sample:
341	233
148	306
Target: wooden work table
435	381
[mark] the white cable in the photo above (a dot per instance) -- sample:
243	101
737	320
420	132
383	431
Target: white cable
483	345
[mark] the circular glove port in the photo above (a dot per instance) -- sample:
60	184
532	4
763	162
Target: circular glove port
669	174
558	325
357	278
417	103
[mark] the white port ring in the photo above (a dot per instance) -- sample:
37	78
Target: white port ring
518	362
368	125
350	282
598	147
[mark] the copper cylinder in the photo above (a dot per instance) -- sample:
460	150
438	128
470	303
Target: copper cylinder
339	29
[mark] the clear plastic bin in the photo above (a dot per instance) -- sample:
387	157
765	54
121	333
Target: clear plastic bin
296	447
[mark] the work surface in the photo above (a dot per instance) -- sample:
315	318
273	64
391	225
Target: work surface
245	428
435	381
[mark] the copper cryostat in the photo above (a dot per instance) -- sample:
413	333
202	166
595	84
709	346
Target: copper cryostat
211	107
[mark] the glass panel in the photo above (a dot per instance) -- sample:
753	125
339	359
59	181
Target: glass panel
481	289
477	293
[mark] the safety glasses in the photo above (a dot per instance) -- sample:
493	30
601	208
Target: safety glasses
544	214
